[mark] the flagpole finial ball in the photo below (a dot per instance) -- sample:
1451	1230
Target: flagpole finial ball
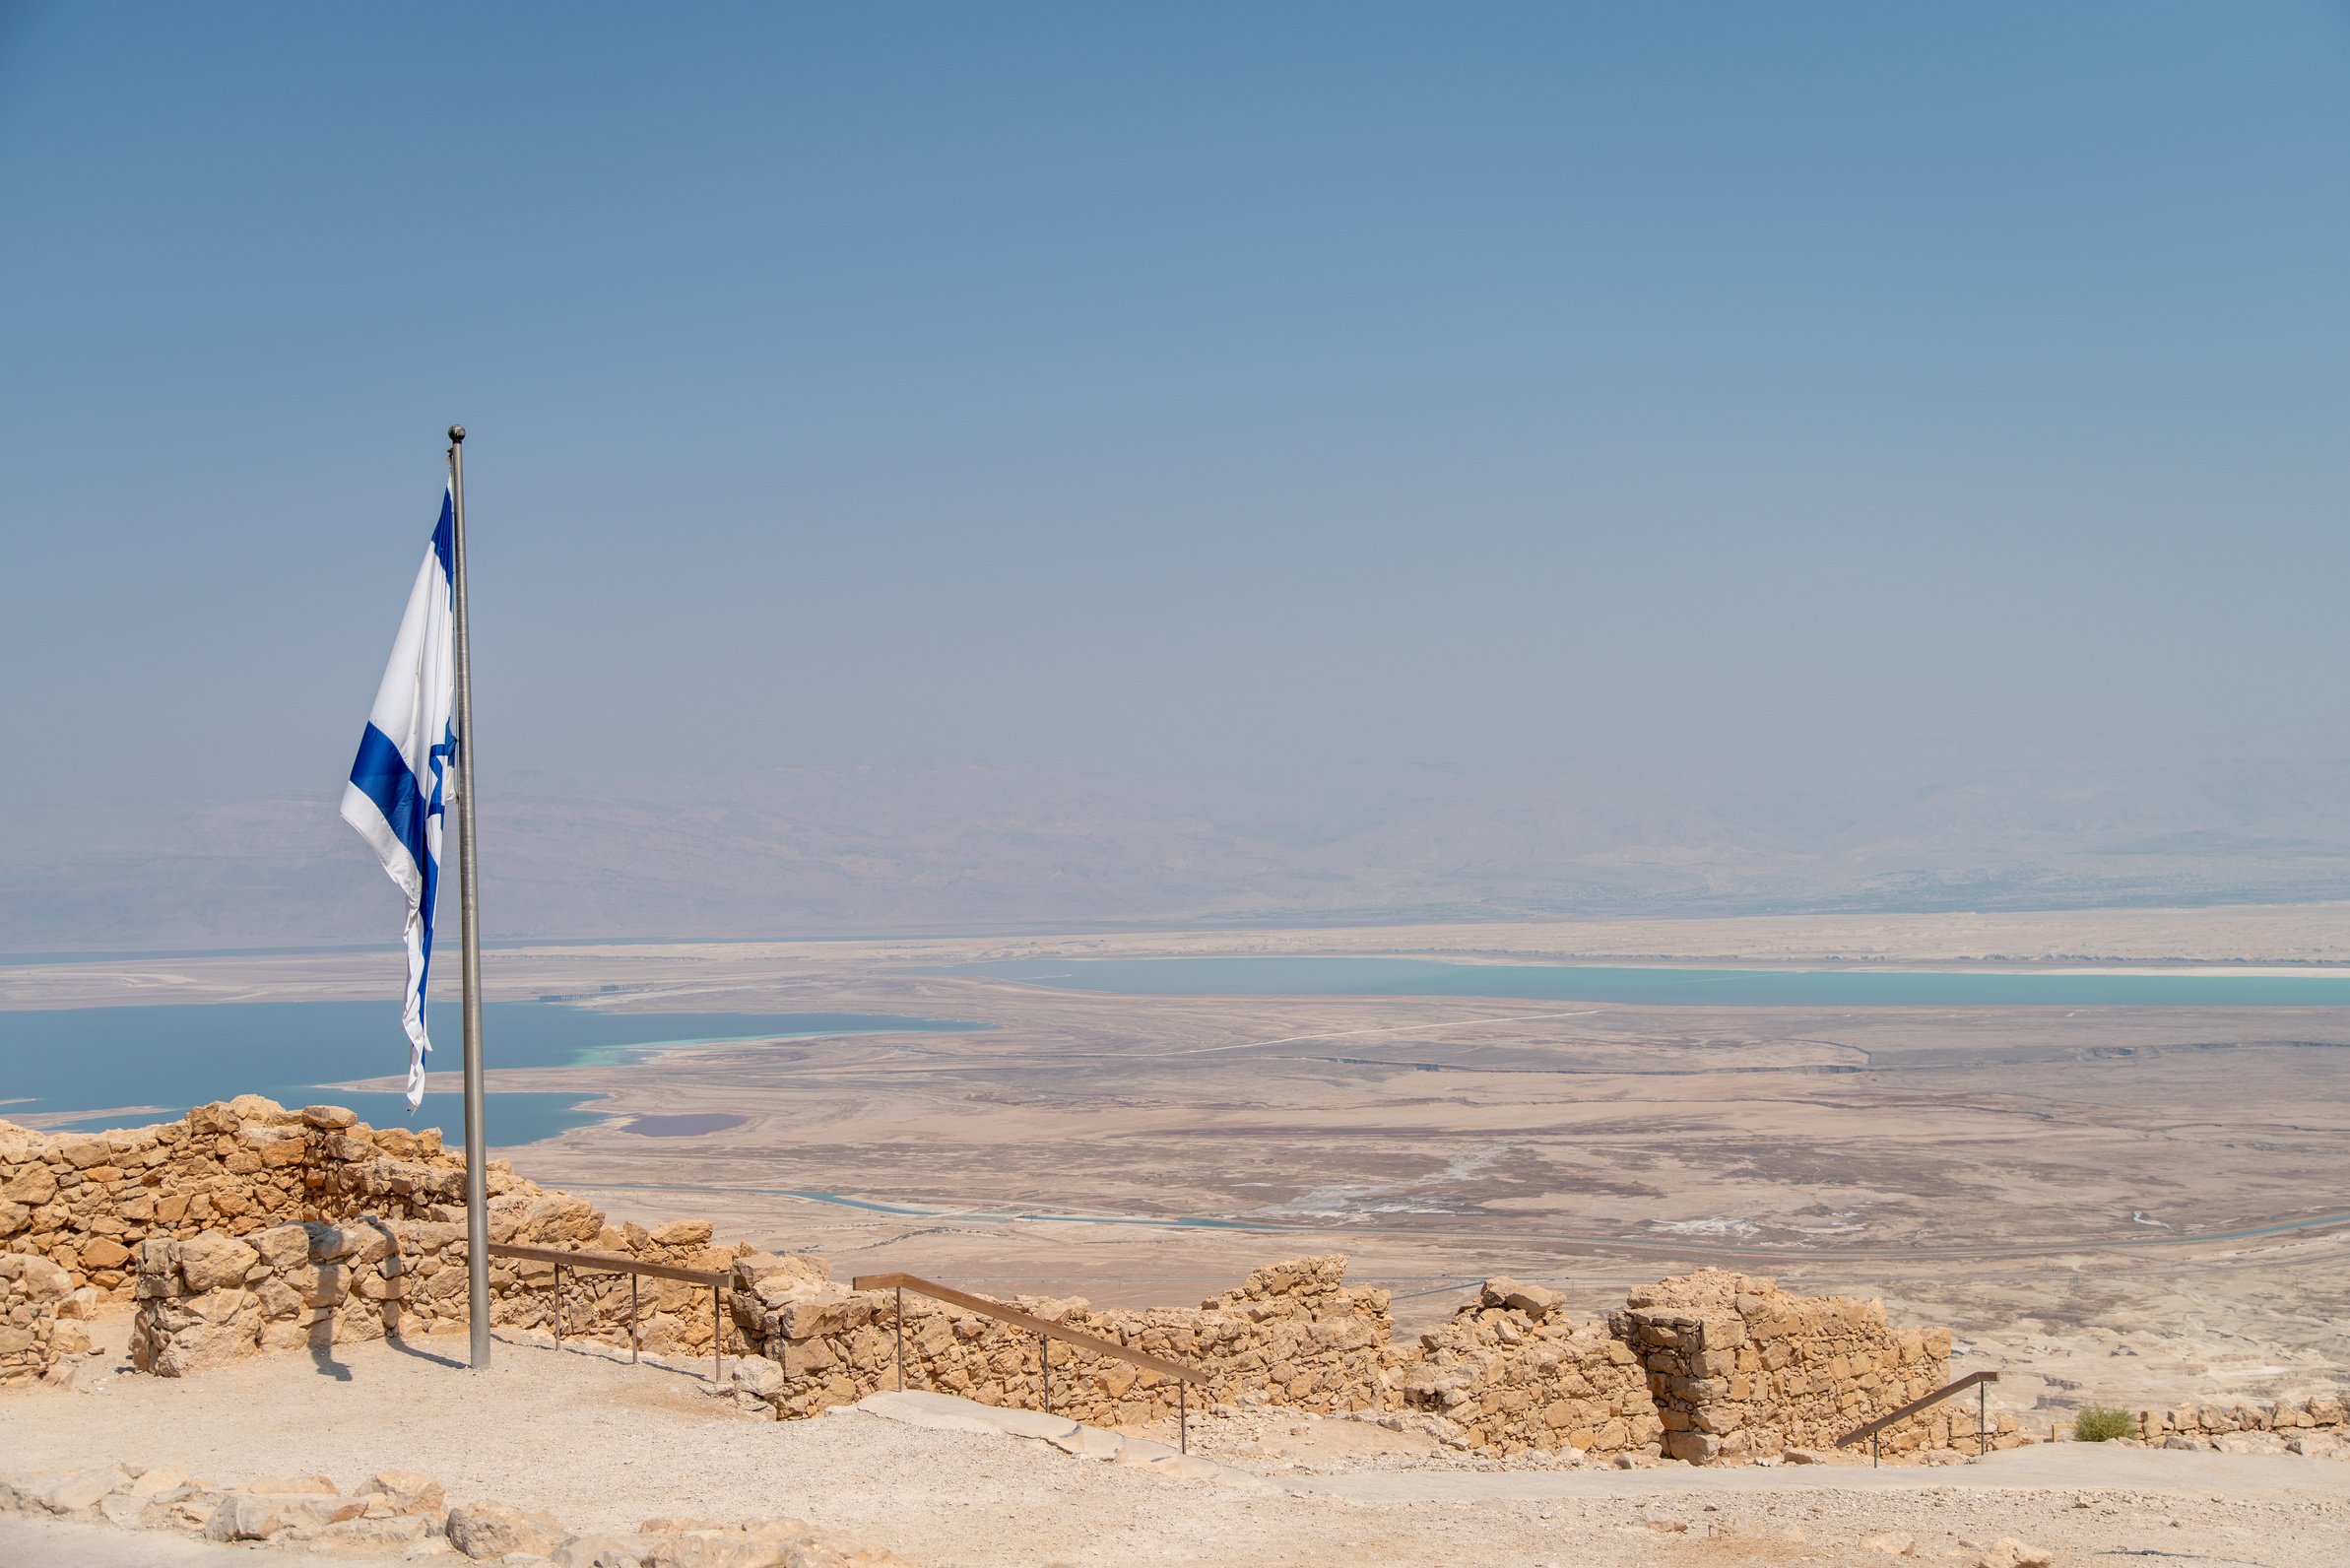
456	433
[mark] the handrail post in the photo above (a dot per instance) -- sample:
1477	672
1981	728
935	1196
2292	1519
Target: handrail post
1872	1452
1973	1380
1046	1332
560	1259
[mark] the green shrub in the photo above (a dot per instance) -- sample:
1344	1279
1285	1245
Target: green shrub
2102	1423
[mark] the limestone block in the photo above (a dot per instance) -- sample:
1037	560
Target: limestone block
210	1261
305	1502
32	1186
172	1338
810	1311
240	1516
37	1279
1533	1300
602	1551
158	1269
281	1247
405	1491
161	1483
756	1376
322	1286
683	1233
377	1531
486	1530
718	1548
83	1152
78	1495
1696	1447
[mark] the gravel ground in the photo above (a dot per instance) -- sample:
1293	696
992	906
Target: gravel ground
62	1543
603	1445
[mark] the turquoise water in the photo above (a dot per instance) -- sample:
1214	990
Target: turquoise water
1743	988
94	1058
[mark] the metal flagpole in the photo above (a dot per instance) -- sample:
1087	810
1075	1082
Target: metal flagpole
477	1167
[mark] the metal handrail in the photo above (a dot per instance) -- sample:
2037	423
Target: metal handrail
1973	1380
1046	1331
621	1262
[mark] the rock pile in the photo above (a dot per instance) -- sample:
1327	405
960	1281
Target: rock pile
2247	1428
401	1508
1517	1374
1741	1370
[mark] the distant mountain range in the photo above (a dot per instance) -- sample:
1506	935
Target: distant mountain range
965	846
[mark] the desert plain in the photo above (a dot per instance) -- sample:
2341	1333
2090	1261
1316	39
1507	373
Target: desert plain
2130	1205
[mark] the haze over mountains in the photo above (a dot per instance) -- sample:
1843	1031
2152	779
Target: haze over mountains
957	845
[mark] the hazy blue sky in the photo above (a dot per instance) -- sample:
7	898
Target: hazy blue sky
1171	384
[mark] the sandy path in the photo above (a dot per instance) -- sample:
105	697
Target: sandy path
62	1543
603	1445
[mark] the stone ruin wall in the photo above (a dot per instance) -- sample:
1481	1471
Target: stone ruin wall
1293	1333
244	1226
213	1297
40	1318
383	1249
1740	1369
87	1200
1514	1373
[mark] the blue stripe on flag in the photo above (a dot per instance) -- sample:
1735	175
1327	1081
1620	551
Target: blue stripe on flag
430	897
441	756
383	775
445	538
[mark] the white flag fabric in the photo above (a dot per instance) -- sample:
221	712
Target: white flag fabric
403	776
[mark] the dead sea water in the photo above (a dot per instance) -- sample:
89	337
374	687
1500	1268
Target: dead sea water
172	1057
1665	985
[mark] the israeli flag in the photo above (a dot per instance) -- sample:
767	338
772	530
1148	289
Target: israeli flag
403	778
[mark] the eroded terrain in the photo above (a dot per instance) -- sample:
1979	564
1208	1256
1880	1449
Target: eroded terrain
2130	1205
